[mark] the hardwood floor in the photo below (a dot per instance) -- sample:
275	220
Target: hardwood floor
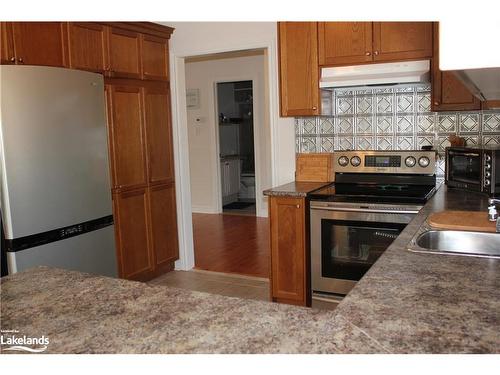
231	244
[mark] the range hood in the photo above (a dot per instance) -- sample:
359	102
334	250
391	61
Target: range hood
376	74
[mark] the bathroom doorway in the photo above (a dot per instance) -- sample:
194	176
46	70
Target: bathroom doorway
236	146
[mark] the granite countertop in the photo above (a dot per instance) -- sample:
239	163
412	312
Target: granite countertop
429	303
295	189
82	313
406	303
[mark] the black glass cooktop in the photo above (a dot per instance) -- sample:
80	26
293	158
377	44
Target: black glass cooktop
383	193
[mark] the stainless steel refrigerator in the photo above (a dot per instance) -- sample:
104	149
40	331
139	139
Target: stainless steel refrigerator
56	200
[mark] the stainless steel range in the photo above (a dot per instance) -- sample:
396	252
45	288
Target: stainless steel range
375	195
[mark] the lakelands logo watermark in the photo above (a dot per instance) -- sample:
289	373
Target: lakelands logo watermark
11	340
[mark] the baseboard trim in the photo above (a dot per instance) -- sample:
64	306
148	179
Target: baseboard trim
204	210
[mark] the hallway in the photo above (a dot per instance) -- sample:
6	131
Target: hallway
231	244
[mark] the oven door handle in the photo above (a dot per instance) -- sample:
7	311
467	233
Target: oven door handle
352	209
463	153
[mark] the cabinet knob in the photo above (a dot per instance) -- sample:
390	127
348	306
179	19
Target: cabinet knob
12	59
315	108
375	53
20	60
298	206
368	53
436	103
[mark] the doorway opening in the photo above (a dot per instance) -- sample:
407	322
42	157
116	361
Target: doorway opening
228	124
236	147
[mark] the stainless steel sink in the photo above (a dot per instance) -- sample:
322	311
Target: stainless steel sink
457	242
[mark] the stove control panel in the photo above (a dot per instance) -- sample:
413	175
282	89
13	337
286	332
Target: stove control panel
412	162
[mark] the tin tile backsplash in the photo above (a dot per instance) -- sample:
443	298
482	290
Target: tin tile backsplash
397	118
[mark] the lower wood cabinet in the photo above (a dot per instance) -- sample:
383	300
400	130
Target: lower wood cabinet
163	216
146	231
289	251
135	258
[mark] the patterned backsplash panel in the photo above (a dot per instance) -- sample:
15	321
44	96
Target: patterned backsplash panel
396	118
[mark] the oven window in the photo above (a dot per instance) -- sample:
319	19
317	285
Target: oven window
465	168
349	248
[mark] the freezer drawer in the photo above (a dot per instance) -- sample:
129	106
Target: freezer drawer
92	252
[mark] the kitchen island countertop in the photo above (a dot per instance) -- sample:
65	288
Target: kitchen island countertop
406	303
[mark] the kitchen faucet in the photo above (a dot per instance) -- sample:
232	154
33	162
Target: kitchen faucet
493	213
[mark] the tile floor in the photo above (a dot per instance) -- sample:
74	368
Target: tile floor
224	284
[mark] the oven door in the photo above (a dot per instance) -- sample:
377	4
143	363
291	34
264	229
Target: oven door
463	169
345	244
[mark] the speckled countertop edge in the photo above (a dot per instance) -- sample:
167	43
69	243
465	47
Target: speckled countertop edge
295	189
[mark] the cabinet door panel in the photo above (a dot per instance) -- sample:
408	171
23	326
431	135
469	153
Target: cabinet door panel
124	53
154	58
40	43
6	44
288	250
299	68
159	135
131	218
128	152
344	42
448	93
402	40
164	224
87	46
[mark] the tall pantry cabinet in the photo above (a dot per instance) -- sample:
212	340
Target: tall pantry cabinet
133	58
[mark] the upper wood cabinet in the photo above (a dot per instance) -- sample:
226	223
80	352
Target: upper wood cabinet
448	93
6	44
154	58
298	53
158	134
131	212
344	42
125	118
348	43
34	43
394	41
289	260
87	44
124	53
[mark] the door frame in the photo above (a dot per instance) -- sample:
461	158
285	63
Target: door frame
180	134
256	146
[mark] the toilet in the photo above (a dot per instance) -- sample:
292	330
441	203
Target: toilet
247	186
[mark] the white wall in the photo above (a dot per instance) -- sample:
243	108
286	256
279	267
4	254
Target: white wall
200	38
202	135
197	38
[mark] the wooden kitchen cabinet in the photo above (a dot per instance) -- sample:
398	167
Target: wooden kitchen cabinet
162	208
34	43
124	49
394	41
344	43
154	58
6	44
131	213
299	77
448	93
127	138
350	43
159	134
289	258
87	45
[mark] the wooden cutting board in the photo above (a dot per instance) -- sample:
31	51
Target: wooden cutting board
462	220
315	167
